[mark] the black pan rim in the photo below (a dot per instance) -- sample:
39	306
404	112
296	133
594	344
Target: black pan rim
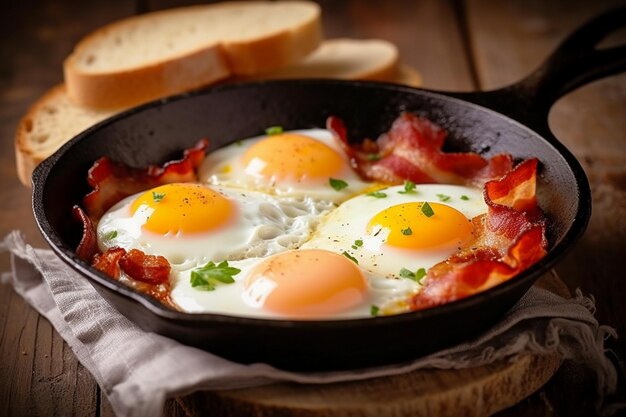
42	171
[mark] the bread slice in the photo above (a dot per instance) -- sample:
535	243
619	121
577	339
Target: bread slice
50	122
408	76
166	52
350	59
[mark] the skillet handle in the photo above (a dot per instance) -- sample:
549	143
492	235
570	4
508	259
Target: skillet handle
574	63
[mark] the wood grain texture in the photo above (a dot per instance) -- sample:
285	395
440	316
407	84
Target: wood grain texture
475	392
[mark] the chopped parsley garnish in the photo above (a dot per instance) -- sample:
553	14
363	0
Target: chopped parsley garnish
407	231
407	273
373	157
337	185
419	274
377	194
274	130
157	197
409	187
415	276
352	258
427	210
207	277
110	235
464	197
443	197
239	143
357	244
374	310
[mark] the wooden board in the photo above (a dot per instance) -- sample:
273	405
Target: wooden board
477	392
470	392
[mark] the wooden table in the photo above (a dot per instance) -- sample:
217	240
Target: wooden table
456	45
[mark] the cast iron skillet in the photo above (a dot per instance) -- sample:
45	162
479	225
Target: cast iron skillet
158	131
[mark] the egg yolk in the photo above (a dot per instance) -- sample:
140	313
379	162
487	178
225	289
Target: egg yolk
183	208
291	156
410	228
306	283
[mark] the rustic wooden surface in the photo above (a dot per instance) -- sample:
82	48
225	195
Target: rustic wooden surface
456	45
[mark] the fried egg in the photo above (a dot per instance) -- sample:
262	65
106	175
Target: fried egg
296	163
401	227
192	224
296	284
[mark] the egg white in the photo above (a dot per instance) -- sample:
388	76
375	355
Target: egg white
389	295
263	225
224	167
343	226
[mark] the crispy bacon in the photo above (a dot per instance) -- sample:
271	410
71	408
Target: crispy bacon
507	240
109	262
88	245
146	273
112	181
150	269
411	150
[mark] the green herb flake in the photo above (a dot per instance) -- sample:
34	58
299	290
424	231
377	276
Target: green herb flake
207	277
157	197
407	273
443	197
415	276
373	157
409	187
110	235
427	210
239	143
357	244
352	258
464	198
377	194
407	231
419	274
374	310
337	185
274	130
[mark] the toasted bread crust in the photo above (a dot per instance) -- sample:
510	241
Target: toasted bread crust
408	76
136	86
352	59
33	144
178	72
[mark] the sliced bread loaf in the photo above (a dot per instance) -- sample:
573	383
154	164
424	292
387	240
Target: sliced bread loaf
350	59
161	53
408	76
49	123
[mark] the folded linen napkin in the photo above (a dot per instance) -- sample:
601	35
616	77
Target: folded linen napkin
137	377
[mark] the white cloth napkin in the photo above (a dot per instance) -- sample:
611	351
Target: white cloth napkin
137	377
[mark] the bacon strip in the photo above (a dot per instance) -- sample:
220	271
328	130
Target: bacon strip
111	181
150	269
507	240
109	262
411	150
88	245
146	273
